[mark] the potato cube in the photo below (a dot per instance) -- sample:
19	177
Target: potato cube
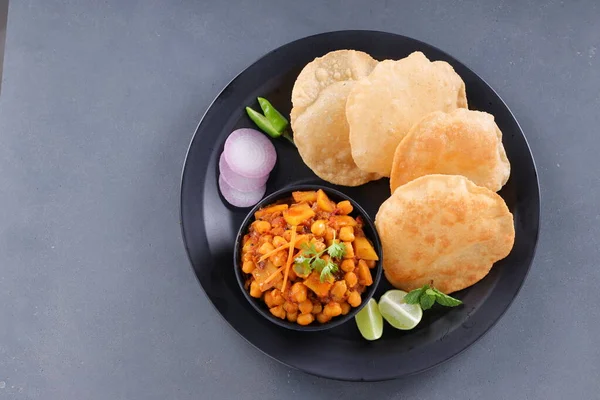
298	213
323	201
309	197
364	249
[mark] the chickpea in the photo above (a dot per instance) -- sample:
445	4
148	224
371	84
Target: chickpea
247	257
345	207
318	227
301	240
248	267
345	308
317	308
305	307
255	290
322	318
332	309
278	311
269	300
351	279
279	241
248	247
319	246
277	297
338	290
265	248
287	235
279	258
305	319
262	226
371	263
290	307
354	299
277	231
292	317
346	233
364	274
329	234
349	250
264	239
298	292
348	265
292	276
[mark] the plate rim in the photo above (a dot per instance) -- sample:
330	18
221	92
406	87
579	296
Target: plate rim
426	45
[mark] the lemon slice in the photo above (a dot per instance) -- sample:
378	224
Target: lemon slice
369	321
399	314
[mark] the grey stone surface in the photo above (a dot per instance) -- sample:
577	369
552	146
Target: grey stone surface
99	102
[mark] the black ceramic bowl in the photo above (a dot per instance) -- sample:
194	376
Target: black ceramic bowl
370	233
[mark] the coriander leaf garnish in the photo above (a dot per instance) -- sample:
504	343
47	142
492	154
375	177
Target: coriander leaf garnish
427	295
328	270
301	260
309	249
311	260
337	249
302	269
318	264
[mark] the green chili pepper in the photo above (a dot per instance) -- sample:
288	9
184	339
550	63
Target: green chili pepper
278	121
272	123
263	123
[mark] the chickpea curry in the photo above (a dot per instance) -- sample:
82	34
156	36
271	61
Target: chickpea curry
307	258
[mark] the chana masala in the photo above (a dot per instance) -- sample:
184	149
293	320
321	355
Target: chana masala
307	258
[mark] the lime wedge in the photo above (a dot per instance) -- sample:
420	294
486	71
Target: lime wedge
369	321
399	314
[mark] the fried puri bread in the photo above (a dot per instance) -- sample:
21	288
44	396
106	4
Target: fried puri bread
462	142
321	135
335	66
443	230
383	106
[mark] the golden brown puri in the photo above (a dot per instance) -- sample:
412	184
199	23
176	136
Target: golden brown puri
321	135
444	230
335	66
461	142
383	106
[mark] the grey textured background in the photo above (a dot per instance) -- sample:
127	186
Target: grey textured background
99	102
3	17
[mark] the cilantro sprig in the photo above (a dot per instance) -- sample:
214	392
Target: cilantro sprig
337	249
427	296
311	260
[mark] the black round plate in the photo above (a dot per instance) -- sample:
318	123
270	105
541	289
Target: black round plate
209	225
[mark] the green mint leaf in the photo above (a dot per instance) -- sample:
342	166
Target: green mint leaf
445	300
413	296
430	292
337	250
427	301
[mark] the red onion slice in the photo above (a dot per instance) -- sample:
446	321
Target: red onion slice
249	153
237	181
240	199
